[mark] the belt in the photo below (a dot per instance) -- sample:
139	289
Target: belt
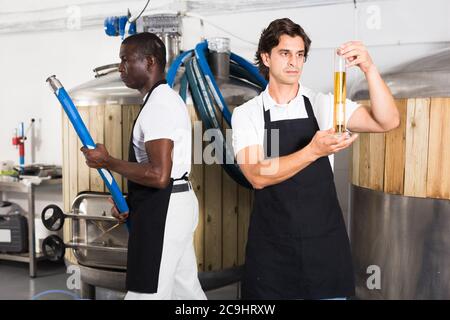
180	187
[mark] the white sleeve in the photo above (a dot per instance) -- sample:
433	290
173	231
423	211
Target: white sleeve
160	121
244	131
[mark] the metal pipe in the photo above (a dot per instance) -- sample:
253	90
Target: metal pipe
219	58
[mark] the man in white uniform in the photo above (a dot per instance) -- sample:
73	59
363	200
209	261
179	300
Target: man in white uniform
163	207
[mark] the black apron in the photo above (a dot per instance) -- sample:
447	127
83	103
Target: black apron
147	219
298	246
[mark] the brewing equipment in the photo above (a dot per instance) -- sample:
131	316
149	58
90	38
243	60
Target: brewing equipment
400	188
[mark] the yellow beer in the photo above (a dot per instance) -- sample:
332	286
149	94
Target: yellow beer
339	102
340	94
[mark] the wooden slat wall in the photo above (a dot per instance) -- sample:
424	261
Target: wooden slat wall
364	160
416	160
213	211
97	130
416	156
198	183
354	164
230	217
113	135
438	176
368	155
83	169
361	157
129	115
73	164
376	161
395	154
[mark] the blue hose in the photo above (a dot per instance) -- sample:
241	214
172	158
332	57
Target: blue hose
199	79
86	140
200	50
172	72
205	108
247	66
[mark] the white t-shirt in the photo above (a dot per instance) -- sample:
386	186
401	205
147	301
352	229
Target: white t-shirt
248	119
165	116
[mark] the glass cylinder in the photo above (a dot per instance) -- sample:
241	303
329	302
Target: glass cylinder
340	93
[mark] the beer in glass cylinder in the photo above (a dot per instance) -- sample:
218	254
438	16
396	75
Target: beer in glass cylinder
339	94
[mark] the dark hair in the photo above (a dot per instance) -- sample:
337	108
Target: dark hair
270	37
149	44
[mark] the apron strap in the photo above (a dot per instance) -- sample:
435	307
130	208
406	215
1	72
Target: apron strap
131	153
183	177
267	142
310	112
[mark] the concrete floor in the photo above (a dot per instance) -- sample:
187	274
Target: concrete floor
51	283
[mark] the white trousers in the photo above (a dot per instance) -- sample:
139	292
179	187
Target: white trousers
178	275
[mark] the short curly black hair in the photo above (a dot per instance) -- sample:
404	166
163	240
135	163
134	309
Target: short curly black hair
149	44
270	37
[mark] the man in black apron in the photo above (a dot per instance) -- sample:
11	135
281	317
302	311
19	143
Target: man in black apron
163	207
298	246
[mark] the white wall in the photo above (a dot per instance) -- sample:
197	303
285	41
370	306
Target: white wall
394	31
27	60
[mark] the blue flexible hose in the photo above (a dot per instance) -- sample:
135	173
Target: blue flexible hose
86	140
200	50
199	79
204	106
172	72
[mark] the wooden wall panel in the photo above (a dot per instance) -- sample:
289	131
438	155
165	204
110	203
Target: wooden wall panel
213	215
113	135
376	161
129	115
73	164
73	151
394	172
416	159
83	169
197	179
96	127
438	176
230	218
364	160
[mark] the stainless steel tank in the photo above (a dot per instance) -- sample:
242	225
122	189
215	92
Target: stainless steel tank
405	238
100	243
98	240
